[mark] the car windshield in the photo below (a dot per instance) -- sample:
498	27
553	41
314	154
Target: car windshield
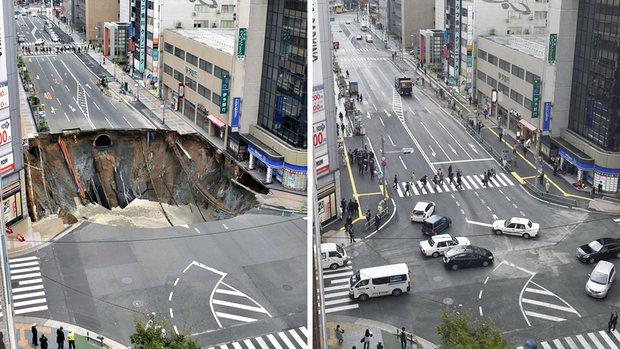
340	250
598	277
595	246
454	240
453	252
431	242
354	279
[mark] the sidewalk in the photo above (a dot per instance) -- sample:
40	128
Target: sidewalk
354	329
35	234
23	334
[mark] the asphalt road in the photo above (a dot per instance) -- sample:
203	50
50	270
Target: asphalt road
68	88
218	281
438	141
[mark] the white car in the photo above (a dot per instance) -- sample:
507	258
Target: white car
359	37
439	244
347	22
516	226
422	210
600	280
39	42
54	38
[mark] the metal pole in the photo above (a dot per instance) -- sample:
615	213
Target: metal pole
6	289
317	256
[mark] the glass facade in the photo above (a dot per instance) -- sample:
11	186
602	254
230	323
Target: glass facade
595	94
283	96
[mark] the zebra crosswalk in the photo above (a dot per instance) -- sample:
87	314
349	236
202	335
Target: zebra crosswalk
295	338
363	59
336	289
591	340
357	50
27	285
469	182
617	220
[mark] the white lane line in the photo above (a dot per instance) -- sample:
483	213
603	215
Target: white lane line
488	208
543	316
515	206
240	306
457	204
225	227
96	106
391	141
67	87
171	314
374	106
106	119
170	296
480	294
479	223
433	137
539	291
523	214
480	308
387	113
457	142
507	198
463	212
127	121
176	281
67	116
175	329
234	317
583	342
402	162
595	340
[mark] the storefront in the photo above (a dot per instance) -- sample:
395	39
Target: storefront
12	200
327	205
574	165
608	177
526	132
216	126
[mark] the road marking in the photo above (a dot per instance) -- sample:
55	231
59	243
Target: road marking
338	275
545	345
67	87
543	316
432	152
402	162
515	206
240	306
488	208
462	212
608	340
170	296
479	223
198	231
595	340
24	270
457	204
25	276
374	106
176	281
548	305
391	141
26	289
106	119
539	291
96	106
387	113
480	294
433	137
380	119
486	280
30	282
30	309
495	216
225	227
341	308
171	314
570	342
29	295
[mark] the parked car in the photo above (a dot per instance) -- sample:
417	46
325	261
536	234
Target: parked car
439	244
601	279
599	249
435	224
467	257
39	42
347	22
359	37
422	210
516	226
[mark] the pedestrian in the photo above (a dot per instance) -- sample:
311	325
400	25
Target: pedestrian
71	339
343	207
484	179
342	128
611	321
600	187
351	207
339	331
440	177
489	174
541	178
547	185
43	341
351	234
356	206
423	180
368	216
403	338
60	338
349	221
524	150
593	192
35	335
407	188
395	182
413	179
435	181
614	322
377	222
458	182
449	169
366	339
501	135
372	170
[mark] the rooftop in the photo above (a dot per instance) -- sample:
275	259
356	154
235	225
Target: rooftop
222	39
533	45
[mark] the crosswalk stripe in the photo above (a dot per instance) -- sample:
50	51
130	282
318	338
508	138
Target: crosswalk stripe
543	316
570	342
429	188
331	276
24	270
422	188
616	334
248	343
27	288
558	344
229	292
273	341
262	343
338	301
469	179
489	183
595	340
28	295
339	270
535	290
297	338
438	188
236	345
340	281
336	294
30	310
445	186
333	288
23	259
583	342
400	193
304	330
340	308
545	345
234	317
463	182
499	179
26	264
495	182
25	276
415	189
240	306
506	178
30	302
478	180
286	340
608	340
548	305
30	282
617	220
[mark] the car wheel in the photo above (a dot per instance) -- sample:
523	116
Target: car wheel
435	254
397	292
497	232
455	266
485	263
334	266
591	260
363	297
526	236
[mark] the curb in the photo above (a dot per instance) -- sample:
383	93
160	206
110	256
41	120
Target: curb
61	234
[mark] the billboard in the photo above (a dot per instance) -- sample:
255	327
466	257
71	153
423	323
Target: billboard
142	36
236	114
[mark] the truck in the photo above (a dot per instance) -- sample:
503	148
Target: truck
403	85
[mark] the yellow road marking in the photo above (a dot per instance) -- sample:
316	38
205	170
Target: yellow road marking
371	194
518	178
529	177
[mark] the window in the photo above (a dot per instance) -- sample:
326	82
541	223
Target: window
179	53
540	14
503	88
190	83
206	66
149	35
228	8
539	30
201	8
530	77
216	99
492	82
504	65
219	72
514	31
516	96
482	54
178	75
191	59
518	71
482	76
381	281
168	48
363	283
227	23
398	278
205	92
168	70
492	59
527	103
514	14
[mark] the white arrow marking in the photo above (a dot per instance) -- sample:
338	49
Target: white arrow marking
367	115
454	151
432	151
52	110
479	223
387	113
88	86
37	77
391	141
473	148
71	107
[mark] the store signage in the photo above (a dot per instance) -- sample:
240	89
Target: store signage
191	72
4	94
457	38
535	98
547	118
318	98
224	94
553	42
242	37
7	165
321	164
142	36
5	131
319	134
236	114
494	96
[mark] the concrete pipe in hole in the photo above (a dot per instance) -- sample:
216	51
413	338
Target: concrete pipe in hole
103	141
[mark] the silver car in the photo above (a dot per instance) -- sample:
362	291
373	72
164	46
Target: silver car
600	280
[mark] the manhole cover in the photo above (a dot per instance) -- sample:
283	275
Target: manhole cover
437	278
138	303
127	280
448	301
287	287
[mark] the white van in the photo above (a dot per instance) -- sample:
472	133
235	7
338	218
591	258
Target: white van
333	256
368	38
380	281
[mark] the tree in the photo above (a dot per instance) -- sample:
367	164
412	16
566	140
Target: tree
458	331
152	337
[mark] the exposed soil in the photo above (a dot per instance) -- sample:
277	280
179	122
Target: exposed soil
184	178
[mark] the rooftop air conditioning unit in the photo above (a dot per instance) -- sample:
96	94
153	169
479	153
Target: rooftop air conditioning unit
178	25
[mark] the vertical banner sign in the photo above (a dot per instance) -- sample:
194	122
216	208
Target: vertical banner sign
456	55
547	118
236	114
278	112
5	131
535	98
142	35
319	137
286	42
224	94
7	164
553	42
242	37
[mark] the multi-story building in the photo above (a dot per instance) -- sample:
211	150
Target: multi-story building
115	40
430	46
407	17
124	11
89	15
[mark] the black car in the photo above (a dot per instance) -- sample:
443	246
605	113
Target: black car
599	249
467	257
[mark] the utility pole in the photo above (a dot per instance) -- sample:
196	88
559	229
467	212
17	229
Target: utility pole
7	301
320	315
